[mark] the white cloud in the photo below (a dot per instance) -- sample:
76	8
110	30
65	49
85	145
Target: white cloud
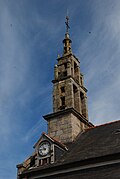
103	67
26	36
34	131
99	54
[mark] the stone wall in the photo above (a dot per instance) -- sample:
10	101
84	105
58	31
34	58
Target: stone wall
65	127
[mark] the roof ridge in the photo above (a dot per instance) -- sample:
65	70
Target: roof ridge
108	123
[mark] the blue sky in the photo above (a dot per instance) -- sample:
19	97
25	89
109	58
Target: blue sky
31	34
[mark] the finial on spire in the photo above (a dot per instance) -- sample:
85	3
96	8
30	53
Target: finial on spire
67	23
67	41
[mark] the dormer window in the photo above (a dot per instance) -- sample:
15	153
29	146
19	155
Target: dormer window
47	151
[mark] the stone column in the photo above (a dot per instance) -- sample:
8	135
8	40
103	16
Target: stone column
69	94
56	72
84	108
69	68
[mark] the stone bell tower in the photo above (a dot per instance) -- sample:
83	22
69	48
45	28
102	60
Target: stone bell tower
70	112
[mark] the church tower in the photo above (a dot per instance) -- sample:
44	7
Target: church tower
68	120
70	112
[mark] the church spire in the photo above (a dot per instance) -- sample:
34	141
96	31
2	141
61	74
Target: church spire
67	41
70	112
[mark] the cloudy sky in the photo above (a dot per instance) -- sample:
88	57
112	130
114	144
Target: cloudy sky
31	34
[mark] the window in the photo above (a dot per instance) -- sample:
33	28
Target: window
63	101
74	89
75	67
58	74
83	110
75	96
62	89
64	73
62	106
81	95
32	162
65	65
81	81
45	161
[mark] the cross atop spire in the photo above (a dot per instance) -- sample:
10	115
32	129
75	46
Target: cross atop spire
67	41
67	24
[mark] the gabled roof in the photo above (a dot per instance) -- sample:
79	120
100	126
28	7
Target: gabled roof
95	142
53	140
100	142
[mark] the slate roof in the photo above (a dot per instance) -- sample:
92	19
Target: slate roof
95	142
98	141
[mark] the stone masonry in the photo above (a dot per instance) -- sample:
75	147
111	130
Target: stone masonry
66	127
70	112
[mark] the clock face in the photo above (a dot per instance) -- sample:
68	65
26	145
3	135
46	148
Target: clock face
44	148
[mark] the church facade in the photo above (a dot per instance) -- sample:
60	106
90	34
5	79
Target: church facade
73	147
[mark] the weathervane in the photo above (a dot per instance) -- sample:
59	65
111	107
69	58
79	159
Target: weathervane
67	24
